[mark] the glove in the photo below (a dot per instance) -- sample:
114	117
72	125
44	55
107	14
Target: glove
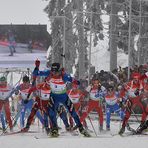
37	63
16	92
78	82
137	92
35	71
121	104
26	101
28	96
97	95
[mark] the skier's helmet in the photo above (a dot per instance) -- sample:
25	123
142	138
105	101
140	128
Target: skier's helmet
55	67
25	78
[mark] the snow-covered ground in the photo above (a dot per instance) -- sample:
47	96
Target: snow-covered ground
67	140
22	58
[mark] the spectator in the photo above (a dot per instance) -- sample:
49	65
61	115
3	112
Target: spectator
30	45
11	40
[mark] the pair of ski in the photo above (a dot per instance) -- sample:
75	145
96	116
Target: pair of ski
64	134
132	132
75	133
17	132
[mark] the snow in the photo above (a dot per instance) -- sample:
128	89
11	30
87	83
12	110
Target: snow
104	140
100	56
22	58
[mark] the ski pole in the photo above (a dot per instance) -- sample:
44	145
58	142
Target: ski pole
131	110
92	125
13	119
135	115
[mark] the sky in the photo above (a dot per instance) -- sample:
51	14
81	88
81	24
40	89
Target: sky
23	11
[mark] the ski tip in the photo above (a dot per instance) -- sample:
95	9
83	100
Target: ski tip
87	135
53	135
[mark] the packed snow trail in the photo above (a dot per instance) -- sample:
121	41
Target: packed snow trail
39	139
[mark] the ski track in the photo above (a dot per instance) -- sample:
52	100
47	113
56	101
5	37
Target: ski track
38	138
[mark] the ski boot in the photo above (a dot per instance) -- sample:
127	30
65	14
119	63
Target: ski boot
59	128
68	128
53	132
11	129
142	127
4	130
101	128
25	129
84	132
75	127
107	128
139	131
122	130
47	129
130	129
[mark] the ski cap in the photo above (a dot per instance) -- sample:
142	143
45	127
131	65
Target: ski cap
25	78
55	67
3	79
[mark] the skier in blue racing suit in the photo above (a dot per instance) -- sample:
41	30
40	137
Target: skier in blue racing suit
57	80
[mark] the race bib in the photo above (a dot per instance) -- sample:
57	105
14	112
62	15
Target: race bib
74	98
93	95
57	86
24	94
4	93
45	95
111	101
